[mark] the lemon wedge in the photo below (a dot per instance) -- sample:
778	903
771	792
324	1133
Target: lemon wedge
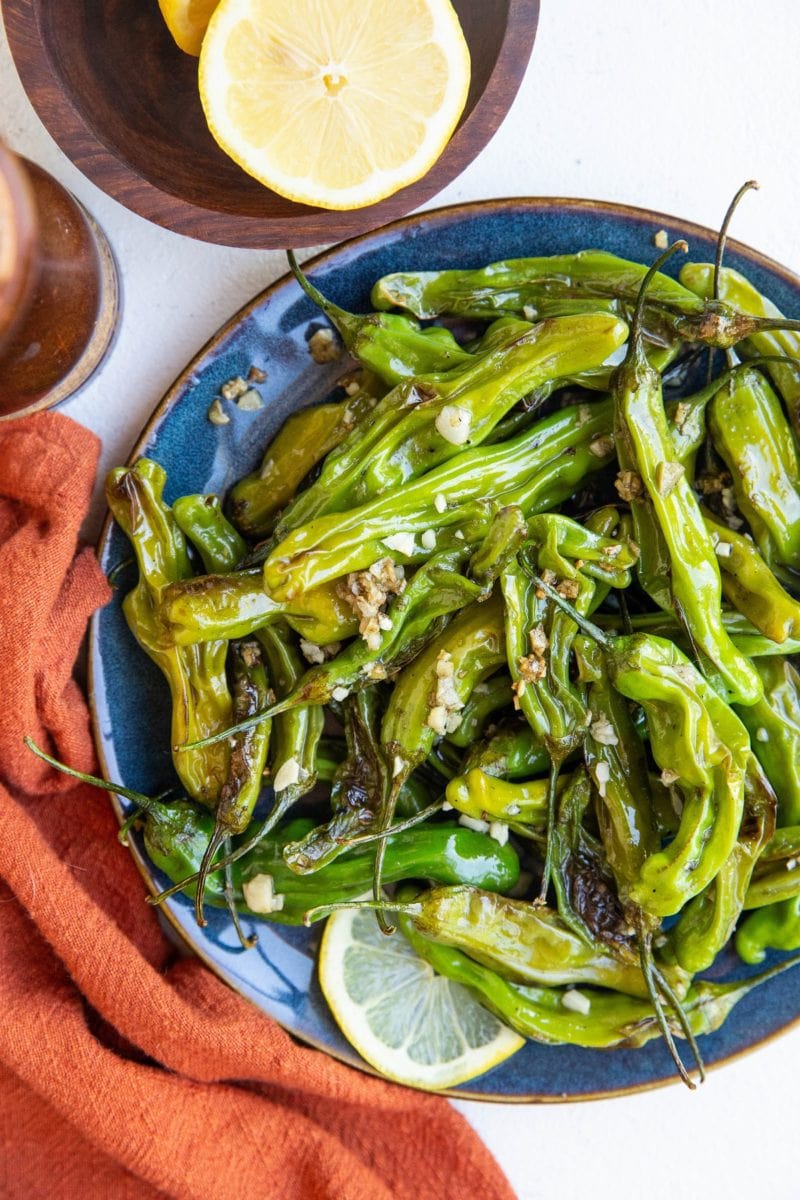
412	1025
187	21
335	104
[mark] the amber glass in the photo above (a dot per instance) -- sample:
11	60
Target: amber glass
58	290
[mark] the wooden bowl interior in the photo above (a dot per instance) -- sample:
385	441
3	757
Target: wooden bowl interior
137	92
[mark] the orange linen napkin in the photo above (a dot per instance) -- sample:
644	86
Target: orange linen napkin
126	1071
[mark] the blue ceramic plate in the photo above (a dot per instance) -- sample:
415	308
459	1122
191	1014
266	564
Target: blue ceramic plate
130	702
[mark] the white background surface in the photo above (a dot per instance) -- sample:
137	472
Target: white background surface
670	105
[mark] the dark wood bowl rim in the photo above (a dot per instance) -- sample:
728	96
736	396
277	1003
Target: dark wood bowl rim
95	160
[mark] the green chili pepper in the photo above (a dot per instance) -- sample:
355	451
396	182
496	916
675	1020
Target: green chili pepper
703	748
525	943
747	639
775	927
774	727
202	521
739	292
426	421
485	797
600	1021
248	759
296	732
487	697
512	285
212	607
617	762
518	283
513	752
749	584
777	873
534	471
301	442
392	346
358	792
752	435
707	922
645	445
201	702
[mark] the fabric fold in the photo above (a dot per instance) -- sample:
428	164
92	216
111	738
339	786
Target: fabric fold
127	1071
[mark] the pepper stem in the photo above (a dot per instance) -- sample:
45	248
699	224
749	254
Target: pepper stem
646	961
751	185
638	312
148	804
552	794
378	906
247	942
588	627
340	318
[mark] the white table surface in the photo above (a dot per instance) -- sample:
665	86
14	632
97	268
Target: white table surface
668	105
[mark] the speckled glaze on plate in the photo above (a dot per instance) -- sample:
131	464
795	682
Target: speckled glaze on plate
130	702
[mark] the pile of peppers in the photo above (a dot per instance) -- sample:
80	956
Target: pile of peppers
511	622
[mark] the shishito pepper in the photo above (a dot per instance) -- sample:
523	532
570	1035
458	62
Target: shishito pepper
515	284
534	471
525	943
176	835
707	922
201	702
645	447
751	433
737	291
750	585
426	421
593	1018
302	441
774	727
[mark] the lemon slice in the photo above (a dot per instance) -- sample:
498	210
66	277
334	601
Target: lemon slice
336	104
412	1025
187	21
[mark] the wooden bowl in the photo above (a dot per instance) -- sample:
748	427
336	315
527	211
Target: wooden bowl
122	102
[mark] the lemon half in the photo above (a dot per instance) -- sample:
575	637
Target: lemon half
412	1025
187	21
335	104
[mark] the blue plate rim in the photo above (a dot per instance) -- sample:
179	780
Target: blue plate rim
340	254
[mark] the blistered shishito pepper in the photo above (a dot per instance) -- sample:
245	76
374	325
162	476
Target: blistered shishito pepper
489	798
201	702
774	727
748	640
512	285
524	942
296	732
617	762
391	345
774	927
736	290
511	752
534	471
707	922
248	759
426	421
701	746
202	521
750	585
213	607
645	447
599	1020
358	791
301	442
777	873
751	433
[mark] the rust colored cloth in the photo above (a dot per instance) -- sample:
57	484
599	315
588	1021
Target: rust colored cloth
127	1071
